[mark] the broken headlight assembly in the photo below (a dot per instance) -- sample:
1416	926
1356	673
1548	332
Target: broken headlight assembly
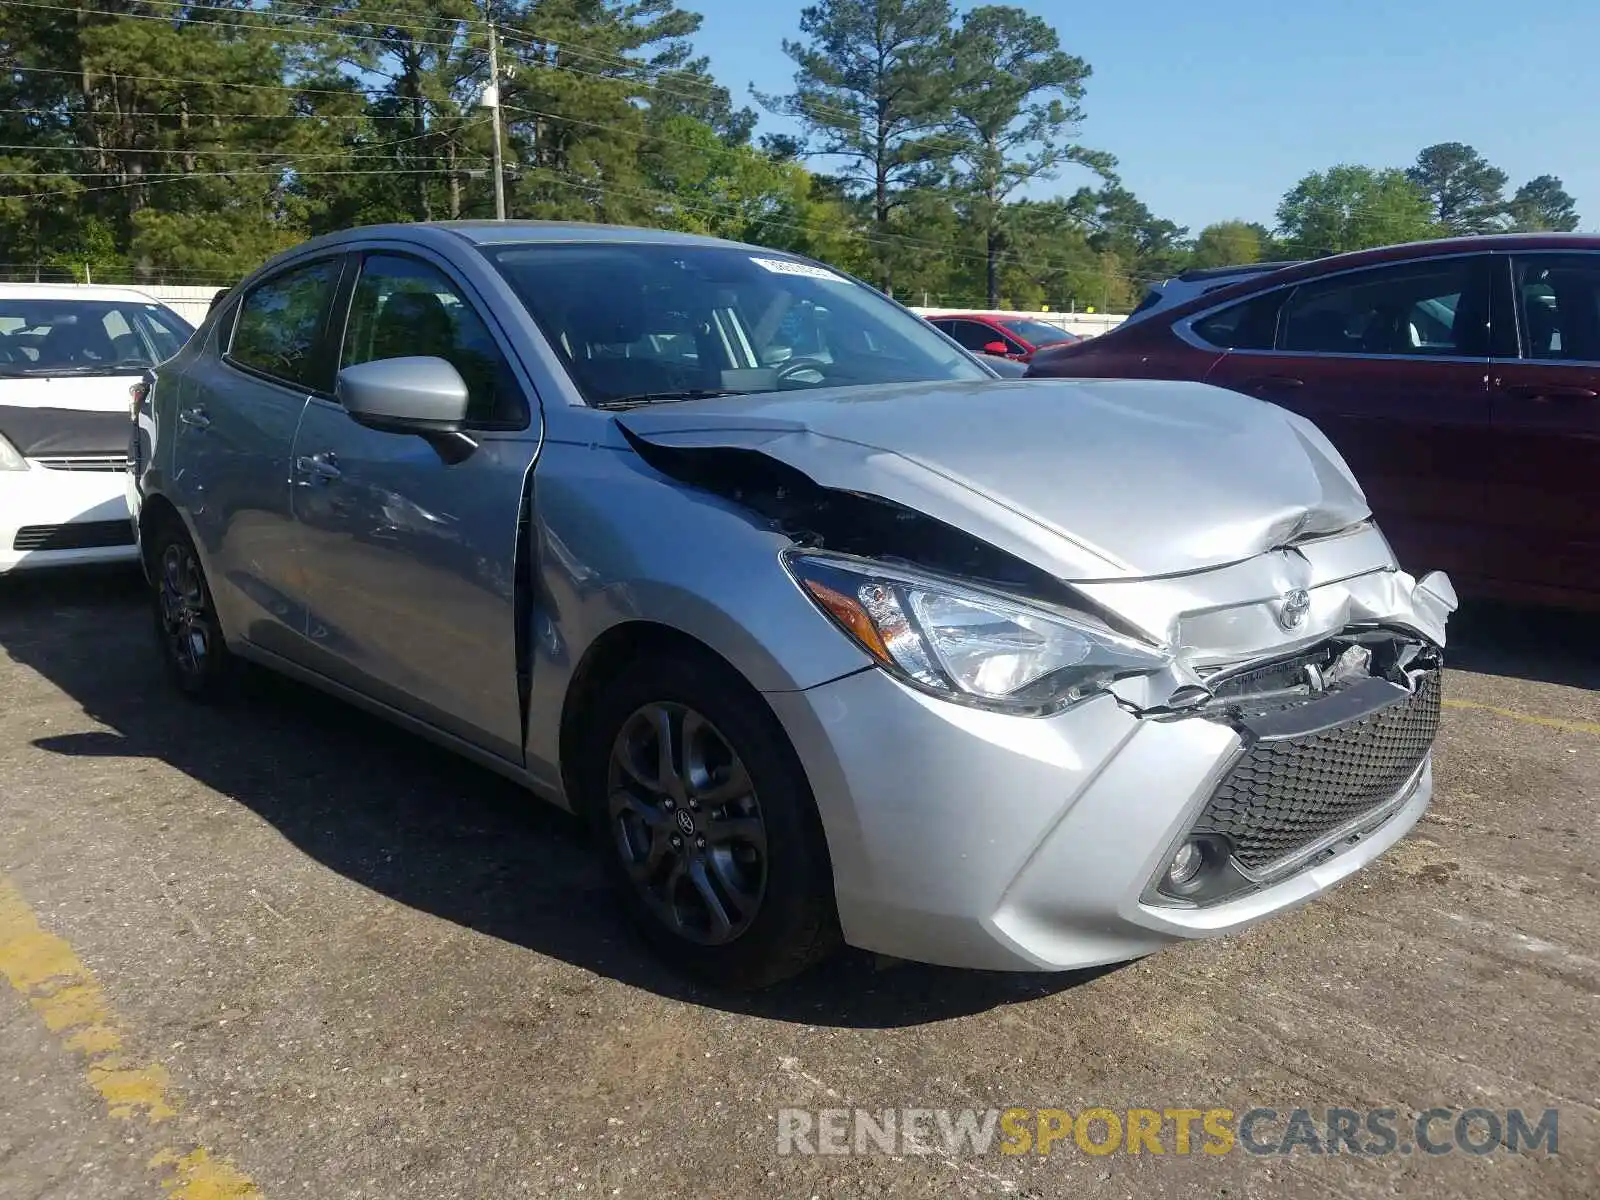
965	643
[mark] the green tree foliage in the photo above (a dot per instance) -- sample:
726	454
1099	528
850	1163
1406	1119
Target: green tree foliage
1351	208
1228	243
1543	204
1465	190
186	142
1148	248
1015	104
872	91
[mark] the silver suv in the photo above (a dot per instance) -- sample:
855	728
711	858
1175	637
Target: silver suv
829	633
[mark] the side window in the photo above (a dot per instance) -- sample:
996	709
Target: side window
1558	303
1423	309
1247	325
972	335
280	321
404	307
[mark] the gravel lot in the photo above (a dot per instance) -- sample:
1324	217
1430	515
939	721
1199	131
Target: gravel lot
354	966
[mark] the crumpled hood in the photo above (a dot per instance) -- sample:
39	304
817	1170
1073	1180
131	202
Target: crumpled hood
1088	479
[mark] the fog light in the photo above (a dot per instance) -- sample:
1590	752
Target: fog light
1186	864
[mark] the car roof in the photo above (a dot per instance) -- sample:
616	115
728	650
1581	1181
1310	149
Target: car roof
485	233
1202	274
1475	244
1278	275
73	291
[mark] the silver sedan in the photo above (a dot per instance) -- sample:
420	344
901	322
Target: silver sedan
829	633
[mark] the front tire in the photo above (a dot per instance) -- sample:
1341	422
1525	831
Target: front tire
188	634
706	824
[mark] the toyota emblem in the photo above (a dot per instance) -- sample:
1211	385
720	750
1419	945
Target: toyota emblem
686	820
1292	612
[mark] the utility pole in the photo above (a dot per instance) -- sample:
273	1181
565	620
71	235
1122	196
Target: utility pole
492	99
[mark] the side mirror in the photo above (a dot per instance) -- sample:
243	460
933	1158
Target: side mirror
404	395
998	349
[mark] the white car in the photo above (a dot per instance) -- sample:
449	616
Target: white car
70	356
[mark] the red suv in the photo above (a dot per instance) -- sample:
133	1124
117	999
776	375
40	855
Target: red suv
1459	378
1002	337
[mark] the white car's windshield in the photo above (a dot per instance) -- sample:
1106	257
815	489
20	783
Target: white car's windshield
641	322
86	337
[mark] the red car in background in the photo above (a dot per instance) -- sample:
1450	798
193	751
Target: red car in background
1459	378
1002	337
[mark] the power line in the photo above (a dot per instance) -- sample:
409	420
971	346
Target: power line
180	20
278	170
353	91
173	116
510	36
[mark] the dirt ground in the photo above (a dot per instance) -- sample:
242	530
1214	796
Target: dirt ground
281	950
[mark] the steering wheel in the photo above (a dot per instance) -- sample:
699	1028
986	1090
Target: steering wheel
796	366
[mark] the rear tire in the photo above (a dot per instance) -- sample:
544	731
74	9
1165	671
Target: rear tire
714	844
188	635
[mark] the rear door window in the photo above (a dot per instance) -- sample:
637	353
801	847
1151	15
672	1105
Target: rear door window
1434	308
279	329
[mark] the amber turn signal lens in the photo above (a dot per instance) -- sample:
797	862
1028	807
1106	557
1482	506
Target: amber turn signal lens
848	612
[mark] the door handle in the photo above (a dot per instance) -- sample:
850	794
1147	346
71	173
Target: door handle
318	468
1271	383
1552	391
195	418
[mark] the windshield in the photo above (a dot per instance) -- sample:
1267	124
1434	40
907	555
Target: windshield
637	323
1040	333
86	337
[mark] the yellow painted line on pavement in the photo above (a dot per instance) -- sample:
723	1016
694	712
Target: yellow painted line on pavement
47	973
1529	718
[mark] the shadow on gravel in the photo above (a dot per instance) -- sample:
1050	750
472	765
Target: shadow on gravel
1539	645
411	821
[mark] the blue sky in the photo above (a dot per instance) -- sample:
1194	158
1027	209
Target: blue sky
1215	110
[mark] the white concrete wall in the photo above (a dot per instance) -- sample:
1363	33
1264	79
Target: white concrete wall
190	303
1082	324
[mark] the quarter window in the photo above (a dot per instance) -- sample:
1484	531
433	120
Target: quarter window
280	324
405	307
1248	325
1558	302
1422	309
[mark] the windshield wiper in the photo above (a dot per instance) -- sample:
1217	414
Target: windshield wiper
644	398
125	367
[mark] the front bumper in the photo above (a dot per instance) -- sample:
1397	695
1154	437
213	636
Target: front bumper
56	518
976	839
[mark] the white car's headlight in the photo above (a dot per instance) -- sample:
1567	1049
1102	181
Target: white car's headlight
964	642
10	460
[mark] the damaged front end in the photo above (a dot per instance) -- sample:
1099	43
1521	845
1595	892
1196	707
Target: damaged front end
1321	656
1333	741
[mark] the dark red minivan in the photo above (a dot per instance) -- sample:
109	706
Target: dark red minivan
1459	378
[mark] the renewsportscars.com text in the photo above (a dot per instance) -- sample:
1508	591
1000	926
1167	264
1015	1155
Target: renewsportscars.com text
1373	1132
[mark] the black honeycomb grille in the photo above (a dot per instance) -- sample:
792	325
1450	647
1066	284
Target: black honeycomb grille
1285	794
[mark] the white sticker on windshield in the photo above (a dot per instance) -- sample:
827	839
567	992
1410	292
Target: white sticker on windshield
784	266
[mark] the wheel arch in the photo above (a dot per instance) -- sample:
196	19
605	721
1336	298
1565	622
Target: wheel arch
603	661
155	510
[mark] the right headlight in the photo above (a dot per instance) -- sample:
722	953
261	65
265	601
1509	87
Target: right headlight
964	642
10	460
